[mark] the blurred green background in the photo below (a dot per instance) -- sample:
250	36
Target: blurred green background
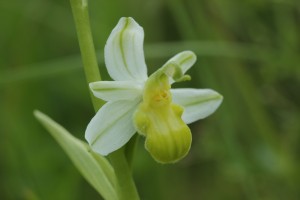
249	51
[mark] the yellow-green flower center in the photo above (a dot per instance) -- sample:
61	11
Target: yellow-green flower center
168	138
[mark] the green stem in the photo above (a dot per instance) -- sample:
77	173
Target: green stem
89	59
130	149
126	186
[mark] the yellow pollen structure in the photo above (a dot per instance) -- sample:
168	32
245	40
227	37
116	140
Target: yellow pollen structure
161	96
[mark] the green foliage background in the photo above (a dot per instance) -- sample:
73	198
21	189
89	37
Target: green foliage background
247	50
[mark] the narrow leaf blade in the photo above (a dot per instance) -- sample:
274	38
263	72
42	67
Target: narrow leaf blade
94	168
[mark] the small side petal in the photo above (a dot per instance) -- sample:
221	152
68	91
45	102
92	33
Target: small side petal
185	60
197	103
117	90
111	127
124	54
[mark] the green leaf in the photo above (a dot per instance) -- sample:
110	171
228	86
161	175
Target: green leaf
94	168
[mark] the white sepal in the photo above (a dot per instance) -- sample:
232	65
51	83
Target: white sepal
124	54
117	90
111	127
197	103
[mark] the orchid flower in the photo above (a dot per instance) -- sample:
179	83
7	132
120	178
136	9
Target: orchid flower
147	105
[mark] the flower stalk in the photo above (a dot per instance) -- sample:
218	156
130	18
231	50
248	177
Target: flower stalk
87	49
126	186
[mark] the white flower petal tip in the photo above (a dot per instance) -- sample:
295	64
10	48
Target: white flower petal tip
124	54
112	127
117	90
185	60
197	103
